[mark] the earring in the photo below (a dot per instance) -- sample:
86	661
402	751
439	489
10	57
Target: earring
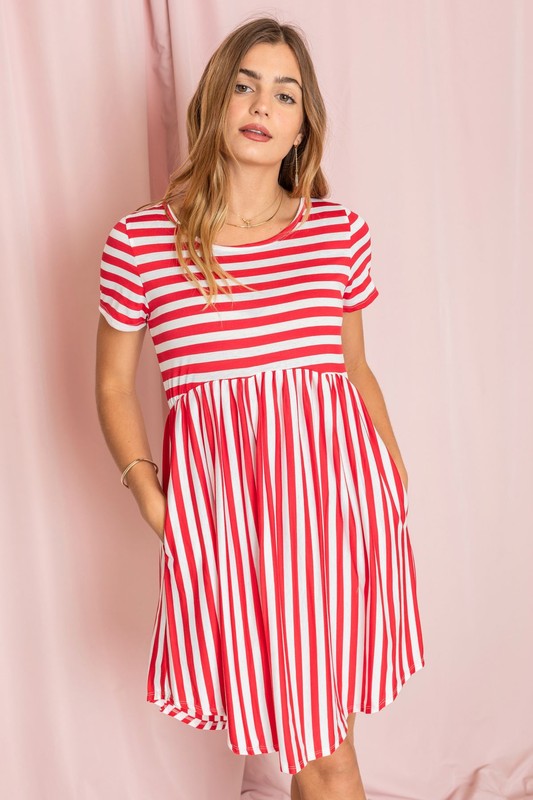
296	165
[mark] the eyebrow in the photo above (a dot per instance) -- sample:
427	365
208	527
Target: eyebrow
278	79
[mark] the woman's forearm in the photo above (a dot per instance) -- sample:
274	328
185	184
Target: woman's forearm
366	384
124	431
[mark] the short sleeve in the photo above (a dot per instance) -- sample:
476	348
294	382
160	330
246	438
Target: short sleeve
122	298
360	289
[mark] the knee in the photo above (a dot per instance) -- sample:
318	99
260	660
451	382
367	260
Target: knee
332	767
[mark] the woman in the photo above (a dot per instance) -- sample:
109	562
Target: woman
288	593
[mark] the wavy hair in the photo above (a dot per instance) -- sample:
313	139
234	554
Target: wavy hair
199	186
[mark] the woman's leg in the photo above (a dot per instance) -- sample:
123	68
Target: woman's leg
295	792
333	777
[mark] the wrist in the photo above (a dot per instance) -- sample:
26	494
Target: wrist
132	465
143	483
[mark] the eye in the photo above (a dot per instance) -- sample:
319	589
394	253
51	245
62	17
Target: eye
289	101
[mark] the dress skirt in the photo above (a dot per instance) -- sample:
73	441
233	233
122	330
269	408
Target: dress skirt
287	578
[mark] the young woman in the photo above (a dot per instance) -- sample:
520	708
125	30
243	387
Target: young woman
288	592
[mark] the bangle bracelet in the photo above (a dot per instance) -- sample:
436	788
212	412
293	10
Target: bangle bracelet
123	476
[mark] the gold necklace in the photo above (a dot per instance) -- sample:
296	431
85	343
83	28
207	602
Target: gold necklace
248	222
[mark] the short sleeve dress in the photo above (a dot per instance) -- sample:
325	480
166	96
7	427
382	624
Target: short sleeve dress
287	578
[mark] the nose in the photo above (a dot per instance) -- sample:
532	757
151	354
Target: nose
261	103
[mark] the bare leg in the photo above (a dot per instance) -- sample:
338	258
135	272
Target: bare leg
295	791
333	777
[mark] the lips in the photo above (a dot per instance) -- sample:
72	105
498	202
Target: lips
256	129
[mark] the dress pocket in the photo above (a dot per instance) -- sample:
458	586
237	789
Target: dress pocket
396	471
166	522
371	432
395	468
400	481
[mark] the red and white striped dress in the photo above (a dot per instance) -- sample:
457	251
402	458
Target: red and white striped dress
288	582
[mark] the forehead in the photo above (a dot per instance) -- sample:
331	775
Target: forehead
269	61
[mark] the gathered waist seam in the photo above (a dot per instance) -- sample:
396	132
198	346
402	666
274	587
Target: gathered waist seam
173	402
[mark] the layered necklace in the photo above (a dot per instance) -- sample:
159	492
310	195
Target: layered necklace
248	222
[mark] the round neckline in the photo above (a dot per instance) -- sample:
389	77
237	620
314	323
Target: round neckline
281	234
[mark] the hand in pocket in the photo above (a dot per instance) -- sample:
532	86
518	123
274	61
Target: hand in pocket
403	476
401	472
155	513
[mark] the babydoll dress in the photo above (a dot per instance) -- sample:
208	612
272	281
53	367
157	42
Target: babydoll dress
287	578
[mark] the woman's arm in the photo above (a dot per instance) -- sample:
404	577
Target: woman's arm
121	420
364	380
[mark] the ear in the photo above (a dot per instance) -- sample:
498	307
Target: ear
298	140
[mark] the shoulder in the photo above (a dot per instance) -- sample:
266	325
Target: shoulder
140	223
147	216
337	218
335	211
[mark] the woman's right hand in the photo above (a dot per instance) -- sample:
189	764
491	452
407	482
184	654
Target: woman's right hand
154	512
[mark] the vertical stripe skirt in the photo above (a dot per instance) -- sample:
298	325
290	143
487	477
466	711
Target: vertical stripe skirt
287	577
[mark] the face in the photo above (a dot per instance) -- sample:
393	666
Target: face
259	99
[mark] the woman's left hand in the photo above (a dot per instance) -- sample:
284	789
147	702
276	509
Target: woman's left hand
403	476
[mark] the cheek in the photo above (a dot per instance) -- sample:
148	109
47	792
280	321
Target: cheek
288	124
232	112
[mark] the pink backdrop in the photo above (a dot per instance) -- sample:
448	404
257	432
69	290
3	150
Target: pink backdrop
431	124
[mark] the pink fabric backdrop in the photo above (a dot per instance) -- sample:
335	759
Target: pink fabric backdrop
431	123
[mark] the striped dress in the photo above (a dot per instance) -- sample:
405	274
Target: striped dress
287	578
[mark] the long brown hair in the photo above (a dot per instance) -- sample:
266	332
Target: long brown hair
199	185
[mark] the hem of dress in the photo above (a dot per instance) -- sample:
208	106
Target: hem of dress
214	721
196	717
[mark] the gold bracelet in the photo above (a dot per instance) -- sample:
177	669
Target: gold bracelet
132	465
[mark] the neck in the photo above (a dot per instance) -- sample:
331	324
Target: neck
254	190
